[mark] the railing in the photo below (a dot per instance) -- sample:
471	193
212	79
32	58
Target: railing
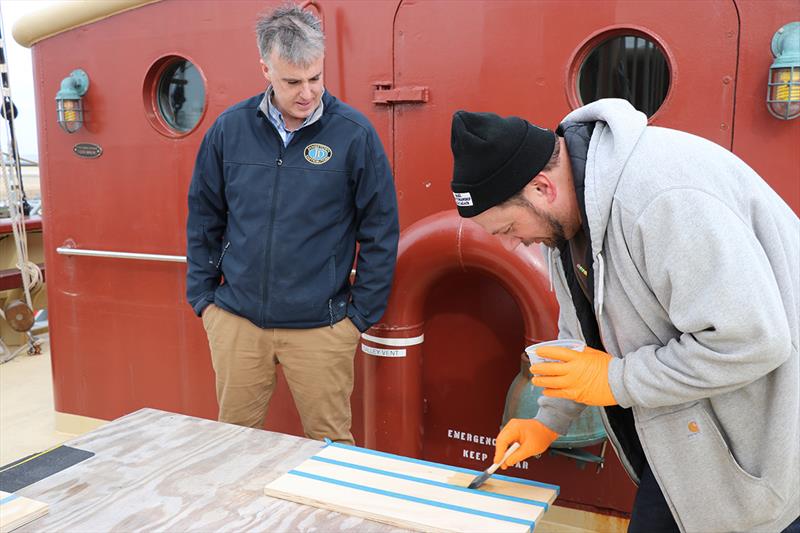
65	250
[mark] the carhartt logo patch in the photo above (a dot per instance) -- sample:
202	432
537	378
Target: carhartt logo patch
317	154
694	429
463	199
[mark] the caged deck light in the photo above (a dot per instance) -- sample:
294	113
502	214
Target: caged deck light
783	87
69	101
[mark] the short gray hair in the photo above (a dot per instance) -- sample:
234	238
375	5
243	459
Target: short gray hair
295	34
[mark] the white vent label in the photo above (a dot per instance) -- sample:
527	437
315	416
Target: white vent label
381	352
463	199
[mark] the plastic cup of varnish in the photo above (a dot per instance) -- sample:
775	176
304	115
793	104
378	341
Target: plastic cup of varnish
572	344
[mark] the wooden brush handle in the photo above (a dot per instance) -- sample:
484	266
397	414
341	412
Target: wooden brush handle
511	449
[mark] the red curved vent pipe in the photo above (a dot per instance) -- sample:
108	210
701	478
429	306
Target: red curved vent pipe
428	250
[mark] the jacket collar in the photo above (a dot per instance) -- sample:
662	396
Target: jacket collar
274	115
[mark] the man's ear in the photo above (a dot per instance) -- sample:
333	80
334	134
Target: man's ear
265	70
544	187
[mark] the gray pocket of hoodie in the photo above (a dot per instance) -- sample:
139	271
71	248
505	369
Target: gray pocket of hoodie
700	476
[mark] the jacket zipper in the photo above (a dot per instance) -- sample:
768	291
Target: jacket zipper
556	265
606	424
271	234
267	255
271	239
225	249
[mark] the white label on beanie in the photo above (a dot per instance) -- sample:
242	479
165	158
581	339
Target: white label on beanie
463	199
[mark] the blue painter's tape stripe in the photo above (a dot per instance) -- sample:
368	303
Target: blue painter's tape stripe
9	498
414	499
431	482
448	467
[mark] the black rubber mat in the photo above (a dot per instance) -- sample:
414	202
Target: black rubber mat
38	466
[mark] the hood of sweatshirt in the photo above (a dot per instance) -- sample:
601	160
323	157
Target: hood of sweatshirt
618	128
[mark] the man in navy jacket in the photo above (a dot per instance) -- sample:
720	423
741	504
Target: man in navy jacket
285	184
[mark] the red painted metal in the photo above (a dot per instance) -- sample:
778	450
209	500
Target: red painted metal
11	278
430	250
520	58
122	334
32	223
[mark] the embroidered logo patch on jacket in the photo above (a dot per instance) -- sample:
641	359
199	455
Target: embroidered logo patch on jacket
317	154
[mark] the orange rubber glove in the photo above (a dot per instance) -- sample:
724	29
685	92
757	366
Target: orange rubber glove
533	437
582	376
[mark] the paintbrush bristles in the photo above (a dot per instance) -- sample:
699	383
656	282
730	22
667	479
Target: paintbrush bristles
481	478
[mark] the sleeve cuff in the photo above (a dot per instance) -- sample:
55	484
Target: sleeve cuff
356	319
556	419
202	303
616	381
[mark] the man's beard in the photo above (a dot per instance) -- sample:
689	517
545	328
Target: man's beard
557	238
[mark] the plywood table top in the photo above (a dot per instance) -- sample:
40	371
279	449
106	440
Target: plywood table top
159	471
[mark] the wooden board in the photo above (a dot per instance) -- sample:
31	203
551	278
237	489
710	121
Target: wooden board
411	493
159	471
16	511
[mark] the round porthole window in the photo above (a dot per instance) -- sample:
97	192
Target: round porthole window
175	96
632	67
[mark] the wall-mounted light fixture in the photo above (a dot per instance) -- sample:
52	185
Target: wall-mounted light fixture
69	101
783	87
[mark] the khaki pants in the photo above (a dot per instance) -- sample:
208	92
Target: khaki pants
317	363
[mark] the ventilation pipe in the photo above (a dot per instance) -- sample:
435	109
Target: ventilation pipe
428	251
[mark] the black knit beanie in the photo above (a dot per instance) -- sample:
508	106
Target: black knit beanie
494	158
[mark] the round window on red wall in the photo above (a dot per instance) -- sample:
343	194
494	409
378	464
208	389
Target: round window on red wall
632	67
174	96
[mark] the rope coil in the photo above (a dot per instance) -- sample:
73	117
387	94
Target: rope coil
11	170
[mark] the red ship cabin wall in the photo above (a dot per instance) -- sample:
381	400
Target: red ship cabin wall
123	336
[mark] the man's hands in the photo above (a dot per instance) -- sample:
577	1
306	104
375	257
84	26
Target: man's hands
533	437
582	376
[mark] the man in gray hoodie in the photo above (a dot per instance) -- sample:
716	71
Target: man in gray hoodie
680	268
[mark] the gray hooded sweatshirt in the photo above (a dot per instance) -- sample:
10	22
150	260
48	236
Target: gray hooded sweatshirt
697	297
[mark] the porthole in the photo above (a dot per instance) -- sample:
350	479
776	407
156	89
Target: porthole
628	66
175	96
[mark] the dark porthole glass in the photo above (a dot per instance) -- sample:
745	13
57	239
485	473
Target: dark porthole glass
629	67
181	95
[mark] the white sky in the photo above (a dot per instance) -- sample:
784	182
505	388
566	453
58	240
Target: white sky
20	75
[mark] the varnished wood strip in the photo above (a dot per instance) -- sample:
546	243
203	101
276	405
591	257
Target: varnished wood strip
383	508
16	510
473	500
409	493
427	471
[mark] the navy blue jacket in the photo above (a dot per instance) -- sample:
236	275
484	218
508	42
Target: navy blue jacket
272	230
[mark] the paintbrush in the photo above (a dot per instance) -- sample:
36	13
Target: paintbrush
481	479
